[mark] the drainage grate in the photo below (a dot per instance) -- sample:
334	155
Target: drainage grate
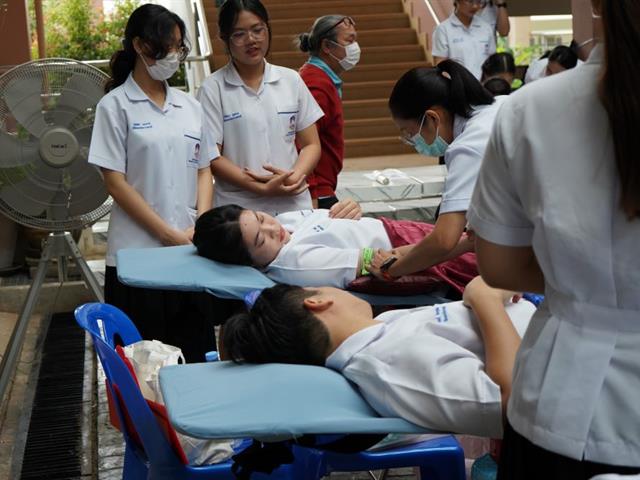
53	448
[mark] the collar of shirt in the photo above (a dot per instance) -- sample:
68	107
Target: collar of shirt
339	359
456	22
136	94
322	65
232	77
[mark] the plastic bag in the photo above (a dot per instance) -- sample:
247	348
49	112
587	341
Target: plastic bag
147	358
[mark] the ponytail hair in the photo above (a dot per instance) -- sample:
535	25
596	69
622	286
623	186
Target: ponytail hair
322	28
619	94
448	84
277	329
217	236
155	26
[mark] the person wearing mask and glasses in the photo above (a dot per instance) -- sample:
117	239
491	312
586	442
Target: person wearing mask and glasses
333	49
441	111
259	127
465	37
146	141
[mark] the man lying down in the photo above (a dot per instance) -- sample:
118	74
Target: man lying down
445	367
316	247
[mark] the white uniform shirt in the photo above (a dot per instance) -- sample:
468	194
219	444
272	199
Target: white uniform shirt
324	251
255	129
468	46
536	70
549	180
464	156
158	150
426	365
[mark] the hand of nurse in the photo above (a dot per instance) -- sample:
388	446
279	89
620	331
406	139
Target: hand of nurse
275	185
173	237
348	208
378	260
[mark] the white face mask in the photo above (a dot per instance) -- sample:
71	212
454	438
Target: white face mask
164	68
352	56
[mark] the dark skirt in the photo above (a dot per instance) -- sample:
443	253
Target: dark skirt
183	319
522	460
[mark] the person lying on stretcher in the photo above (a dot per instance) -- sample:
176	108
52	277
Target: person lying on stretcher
445	367
317	247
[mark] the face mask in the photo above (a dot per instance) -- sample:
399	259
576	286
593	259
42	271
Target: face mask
435	149
163	68
352	56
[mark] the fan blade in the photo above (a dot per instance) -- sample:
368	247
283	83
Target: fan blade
15	152
27	197
77	95
83	135
23	97
87	186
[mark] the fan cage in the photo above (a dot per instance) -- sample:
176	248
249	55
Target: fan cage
55	73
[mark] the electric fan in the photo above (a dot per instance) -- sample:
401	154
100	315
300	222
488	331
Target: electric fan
47	108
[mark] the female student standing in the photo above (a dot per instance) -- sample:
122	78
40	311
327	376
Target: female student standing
256	114
558	211
441	110
333	49
146	140
465	37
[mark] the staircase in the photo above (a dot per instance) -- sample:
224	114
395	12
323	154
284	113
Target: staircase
389	48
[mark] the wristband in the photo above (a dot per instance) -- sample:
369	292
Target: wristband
501	5
367	257
384	268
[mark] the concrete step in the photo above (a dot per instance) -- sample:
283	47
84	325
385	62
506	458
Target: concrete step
358	109
367	90
370	127
292	26
353	8
366	147
380	71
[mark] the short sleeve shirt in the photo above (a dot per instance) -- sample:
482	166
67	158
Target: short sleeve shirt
426	365
256	128
464	156
324	251
159	152
549	181
469	46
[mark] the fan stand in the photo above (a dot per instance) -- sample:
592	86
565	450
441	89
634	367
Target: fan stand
57	245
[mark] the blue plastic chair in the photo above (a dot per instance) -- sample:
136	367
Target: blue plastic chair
438	459
157	459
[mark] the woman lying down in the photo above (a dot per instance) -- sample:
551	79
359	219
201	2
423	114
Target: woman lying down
314	247
445	367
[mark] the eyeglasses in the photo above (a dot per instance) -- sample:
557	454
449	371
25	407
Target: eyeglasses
407	138
241	37
181	50
347	21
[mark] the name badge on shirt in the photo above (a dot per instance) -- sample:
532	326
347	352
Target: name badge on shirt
193	148
231	116
289	120
141	125
441	314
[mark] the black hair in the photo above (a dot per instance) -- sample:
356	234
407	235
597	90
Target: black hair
154	24
564	55
277	329
312	41
448	84
228	16
498	63
619	94
497	86
217	236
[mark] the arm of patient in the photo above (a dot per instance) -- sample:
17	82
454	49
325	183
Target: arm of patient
501	340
